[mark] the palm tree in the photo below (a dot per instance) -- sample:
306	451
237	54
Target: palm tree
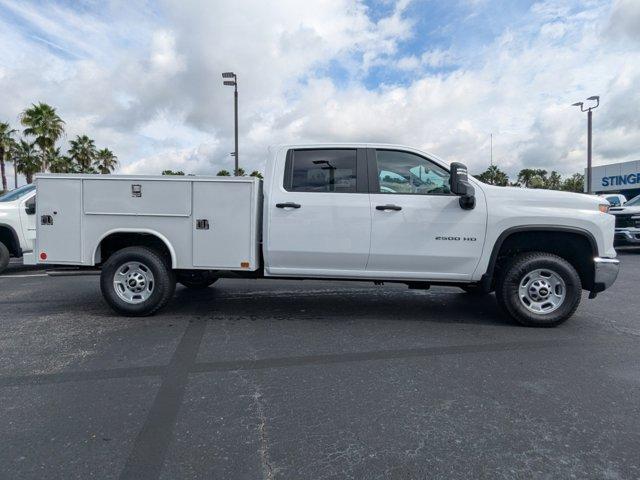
223	173
43	123
494	176
83	152
12	156
554	182
105	161
27	160
5	144
256	174
61	163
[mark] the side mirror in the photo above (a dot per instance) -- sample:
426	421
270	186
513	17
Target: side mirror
30	208
459	184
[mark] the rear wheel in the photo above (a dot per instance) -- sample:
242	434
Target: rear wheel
4	257
539	289
196	279
137	281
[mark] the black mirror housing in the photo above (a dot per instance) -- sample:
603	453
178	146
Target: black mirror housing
459	184
30	208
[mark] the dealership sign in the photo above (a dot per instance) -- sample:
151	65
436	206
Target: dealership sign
617	176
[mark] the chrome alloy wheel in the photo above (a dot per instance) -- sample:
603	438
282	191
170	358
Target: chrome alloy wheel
542	291
133	282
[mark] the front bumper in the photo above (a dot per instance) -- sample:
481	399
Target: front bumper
606	272
627	235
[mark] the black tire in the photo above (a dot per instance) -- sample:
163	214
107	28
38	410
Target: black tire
4	257
196	279
164	281
508	284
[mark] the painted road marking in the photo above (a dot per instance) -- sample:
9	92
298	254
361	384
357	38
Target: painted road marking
25	276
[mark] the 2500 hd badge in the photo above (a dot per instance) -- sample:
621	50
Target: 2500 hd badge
457	239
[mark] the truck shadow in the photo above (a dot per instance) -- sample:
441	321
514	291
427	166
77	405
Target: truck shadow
440	305
627	250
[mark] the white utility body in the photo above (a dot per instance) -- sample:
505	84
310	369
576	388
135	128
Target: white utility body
372	212
205	222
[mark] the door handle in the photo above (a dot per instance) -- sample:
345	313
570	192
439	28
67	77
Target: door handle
287	205
388	207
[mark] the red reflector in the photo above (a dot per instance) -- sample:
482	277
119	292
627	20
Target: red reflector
43	256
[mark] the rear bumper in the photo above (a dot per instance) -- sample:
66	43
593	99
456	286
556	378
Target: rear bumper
606	272
627	235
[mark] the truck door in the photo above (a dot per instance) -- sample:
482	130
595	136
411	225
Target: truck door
319	215
418	227
28	221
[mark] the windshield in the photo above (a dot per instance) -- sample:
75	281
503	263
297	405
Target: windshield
634	202
17	193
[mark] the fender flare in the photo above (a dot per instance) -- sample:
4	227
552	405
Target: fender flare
148	231
487	278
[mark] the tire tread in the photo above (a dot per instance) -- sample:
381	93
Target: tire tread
527	318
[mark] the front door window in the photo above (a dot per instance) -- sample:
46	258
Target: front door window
404	172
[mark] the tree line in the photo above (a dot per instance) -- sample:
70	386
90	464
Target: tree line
533	178
221	173
36	151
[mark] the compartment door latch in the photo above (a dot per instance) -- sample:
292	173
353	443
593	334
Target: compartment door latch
202	224
46	220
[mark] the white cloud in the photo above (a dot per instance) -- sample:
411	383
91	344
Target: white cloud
146	82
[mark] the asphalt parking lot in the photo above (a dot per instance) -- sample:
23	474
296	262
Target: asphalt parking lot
306	380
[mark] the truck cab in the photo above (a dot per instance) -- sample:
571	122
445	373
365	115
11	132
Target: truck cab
17	223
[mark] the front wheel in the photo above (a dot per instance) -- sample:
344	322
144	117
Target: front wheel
4	257
539	289
136	281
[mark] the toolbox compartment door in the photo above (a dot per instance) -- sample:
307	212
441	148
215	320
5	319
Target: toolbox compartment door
146	197
58	220
222	225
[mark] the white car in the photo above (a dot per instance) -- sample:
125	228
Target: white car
17	223
367	212
614	199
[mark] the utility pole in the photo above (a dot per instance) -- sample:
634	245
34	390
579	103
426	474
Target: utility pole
234	83
491	143
594	98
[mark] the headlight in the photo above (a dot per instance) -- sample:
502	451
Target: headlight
604	207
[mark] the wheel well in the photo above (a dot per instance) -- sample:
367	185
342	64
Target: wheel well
577	248
119	240
8	237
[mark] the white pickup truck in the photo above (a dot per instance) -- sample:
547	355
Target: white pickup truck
17	223
366	212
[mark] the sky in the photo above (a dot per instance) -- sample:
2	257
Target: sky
144	78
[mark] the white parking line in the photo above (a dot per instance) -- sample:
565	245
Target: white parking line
24	276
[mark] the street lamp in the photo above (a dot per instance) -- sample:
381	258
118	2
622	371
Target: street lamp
594	98
234	83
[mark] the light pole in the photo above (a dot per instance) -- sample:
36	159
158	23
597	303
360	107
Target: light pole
596	99
234	84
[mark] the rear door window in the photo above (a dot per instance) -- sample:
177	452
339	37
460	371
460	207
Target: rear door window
321	170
